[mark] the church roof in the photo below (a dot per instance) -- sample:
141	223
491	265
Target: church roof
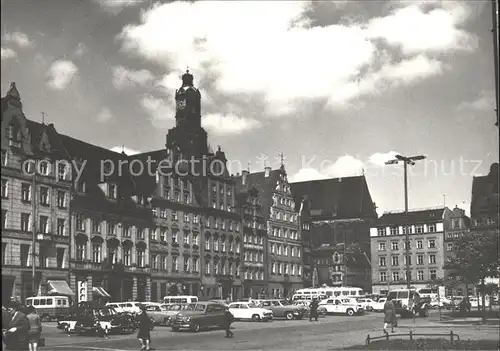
335	198
413	217
485	197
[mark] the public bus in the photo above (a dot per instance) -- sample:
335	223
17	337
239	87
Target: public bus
49	307
325	292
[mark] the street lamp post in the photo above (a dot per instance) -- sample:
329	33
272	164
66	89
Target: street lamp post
406	161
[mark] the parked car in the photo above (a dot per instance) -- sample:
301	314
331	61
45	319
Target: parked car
366	303
379	305
283	309
89	319
249	311
343	305
130	306
158	313
199	315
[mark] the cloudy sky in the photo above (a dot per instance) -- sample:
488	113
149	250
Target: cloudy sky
338	87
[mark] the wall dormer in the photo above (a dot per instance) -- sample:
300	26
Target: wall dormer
110	190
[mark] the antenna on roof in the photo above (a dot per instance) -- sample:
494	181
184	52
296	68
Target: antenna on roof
249	164
282	158
43	117
123	148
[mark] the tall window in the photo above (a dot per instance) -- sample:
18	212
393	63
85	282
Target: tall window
61	199
44	196
140	233
207	267
5	188
432	259
196	265
207	243
186	237
163	235
43	257
420	259
80	222
25	222
420	275
395	260
80	252
112	191
140	258
381	261
111	228
163	262
381	231
175	263
381	246
419	244
96	226
216	244
44	225
61	225
25	250
127	255
195	239
432	244
432	274
96	253
431	228
60	257
395	276
419	228
26	192
186	264
394	246
394	230
175	236
449	247
154	259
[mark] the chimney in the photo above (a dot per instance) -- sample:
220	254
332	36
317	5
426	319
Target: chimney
244	175
267	171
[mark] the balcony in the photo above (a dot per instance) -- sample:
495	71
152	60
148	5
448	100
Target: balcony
253	246
82	265
254	264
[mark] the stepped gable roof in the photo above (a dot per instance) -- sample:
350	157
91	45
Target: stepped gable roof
413	217
36	131
264	185
485	193
335	198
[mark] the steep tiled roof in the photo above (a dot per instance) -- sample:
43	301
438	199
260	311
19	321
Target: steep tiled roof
264	185
336	198
485	193
421	216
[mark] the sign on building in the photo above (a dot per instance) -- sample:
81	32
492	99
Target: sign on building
82	291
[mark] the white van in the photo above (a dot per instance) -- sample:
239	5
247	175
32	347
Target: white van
49	307
179	299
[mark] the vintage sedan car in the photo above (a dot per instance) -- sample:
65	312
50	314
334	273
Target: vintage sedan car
89	319
343	305
249	311
158	313
283	309
199	315
379	305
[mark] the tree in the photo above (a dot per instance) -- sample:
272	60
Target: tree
476	258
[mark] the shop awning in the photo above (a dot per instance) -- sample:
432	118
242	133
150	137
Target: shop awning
59	287
100	291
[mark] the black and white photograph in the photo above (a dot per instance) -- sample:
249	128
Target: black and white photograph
226	175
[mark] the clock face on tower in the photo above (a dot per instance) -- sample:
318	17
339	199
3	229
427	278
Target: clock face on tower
181	104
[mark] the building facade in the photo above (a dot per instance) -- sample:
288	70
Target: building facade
254	271
283	255
426	230
339	214
35	202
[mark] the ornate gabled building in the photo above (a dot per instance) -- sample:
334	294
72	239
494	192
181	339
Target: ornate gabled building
340	213
284	243
193	197
35	203
254	272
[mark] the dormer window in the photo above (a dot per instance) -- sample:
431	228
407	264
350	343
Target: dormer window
14	135
81	186
61	172
112	191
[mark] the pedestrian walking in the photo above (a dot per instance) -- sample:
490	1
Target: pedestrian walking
144	334
35	330
313	312
389	315
229	318
17	334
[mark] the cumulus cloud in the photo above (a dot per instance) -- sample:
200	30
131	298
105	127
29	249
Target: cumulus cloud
61	73
335	63
124	77
228	124
344	166
8	53
161	113
18	38
485	101
114	7
125	149
105	115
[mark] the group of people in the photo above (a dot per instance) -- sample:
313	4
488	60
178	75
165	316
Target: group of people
21	327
